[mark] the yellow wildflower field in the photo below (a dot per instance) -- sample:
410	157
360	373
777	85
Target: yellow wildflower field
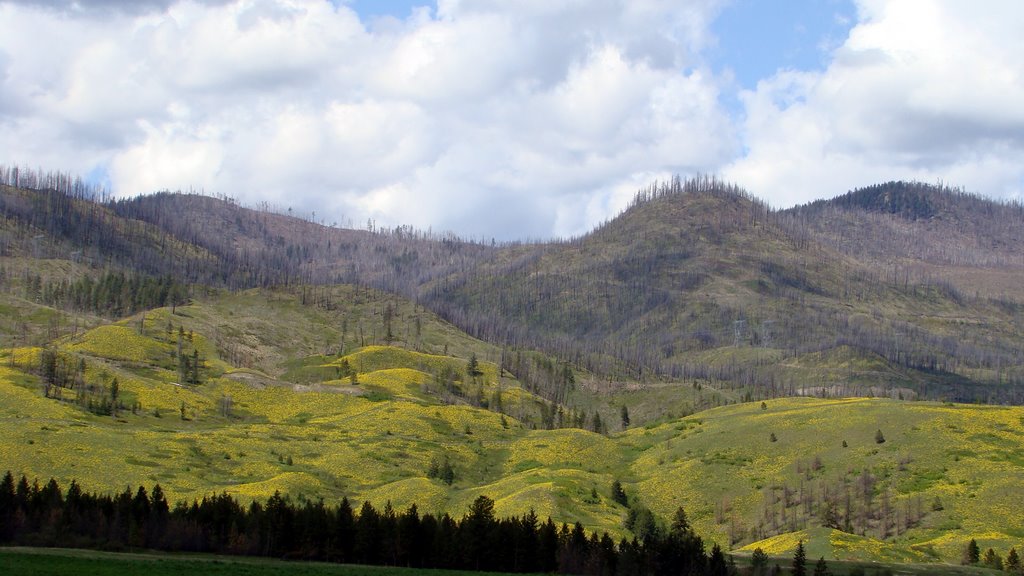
243	432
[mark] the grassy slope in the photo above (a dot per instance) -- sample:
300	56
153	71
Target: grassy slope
337	441
971	457
379	447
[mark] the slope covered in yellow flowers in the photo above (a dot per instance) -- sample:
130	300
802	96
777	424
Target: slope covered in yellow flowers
321	415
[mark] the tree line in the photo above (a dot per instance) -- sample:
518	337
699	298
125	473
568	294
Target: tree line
280	527
112	294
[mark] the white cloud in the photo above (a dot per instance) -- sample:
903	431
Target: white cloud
924	89
488	118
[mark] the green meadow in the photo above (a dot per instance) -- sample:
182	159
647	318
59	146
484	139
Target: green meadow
58	562
318	402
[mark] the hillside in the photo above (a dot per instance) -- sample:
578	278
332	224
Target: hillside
919	222
899	289
698	281
320	409
915	233
296	420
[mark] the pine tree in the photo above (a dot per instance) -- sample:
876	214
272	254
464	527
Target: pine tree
680	523
716	562
992	560
1012	564
114	392
625	417
759	561
799	560
821	568
447	473
618	494
972	553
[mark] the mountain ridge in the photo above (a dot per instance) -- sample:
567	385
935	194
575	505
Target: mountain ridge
690	267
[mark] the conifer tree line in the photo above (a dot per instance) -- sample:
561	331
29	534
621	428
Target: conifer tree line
34	515
112	294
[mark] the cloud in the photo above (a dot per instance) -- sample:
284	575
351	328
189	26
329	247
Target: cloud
925	89
494	119
102	8
487	118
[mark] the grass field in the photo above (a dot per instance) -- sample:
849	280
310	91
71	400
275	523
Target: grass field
60	562
248	431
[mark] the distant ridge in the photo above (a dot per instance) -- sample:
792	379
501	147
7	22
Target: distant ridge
696	279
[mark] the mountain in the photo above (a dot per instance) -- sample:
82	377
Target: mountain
698	280
899	289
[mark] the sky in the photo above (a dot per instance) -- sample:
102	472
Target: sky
516	120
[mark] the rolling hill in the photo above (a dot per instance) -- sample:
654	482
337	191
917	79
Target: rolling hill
210	347
749	474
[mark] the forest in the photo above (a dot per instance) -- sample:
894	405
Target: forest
34	515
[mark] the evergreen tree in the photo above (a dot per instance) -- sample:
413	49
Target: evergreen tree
618	494
8	508
971	553
115	391
477	526
1012	564
344	530
473	368
993	560
368	535
716	562
821	568
680	523
759	562
447	473
625	417
799	560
